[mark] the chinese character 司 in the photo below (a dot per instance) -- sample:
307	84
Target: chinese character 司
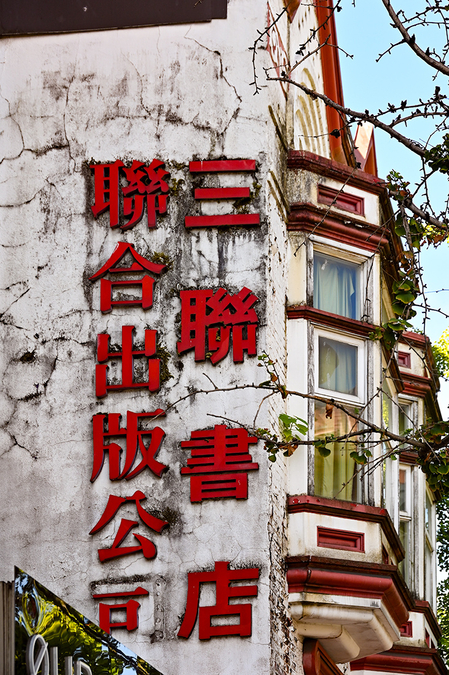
112	266
146	185
134	440
145	545
222	577
208	318
219	462
131	608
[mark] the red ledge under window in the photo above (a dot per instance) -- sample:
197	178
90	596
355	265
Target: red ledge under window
342	509
345	540
404	359
326	576
307	217
332	320
303	159
341	200
417	385
401	659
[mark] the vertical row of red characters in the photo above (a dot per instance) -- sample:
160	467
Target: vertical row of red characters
211	320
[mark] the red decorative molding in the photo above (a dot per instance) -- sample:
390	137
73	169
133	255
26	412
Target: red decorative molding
342	509
316	660
415	340
424	607
417	385
404	359
302	159
310	574
344	540
401	659
407	629
306	217
331	320
341	200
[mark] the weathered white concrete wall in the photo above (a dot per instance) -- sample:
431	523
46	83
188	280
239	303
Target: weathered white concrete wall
176	93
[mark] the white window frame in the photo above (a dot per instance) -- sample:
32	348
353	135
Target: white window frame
346	254
361	365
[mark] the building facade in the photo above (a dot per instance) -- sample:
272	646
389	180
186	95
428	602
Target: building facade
162	227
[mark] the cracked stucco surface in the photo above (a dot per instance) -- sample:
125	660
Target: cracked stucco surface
176	93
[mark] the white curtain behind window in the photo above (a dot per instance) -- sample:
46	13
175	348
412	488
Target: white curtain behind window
335	286
337	366
335	475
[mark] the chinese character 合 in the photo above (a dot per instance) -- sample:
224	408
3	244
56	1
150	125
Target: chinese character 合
134	442
146	185
208	319
222	576
127	359
140	264
145	545
221	451
131	608
229	219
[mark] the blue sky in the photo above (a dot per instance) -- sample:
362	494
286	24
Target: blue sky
364	30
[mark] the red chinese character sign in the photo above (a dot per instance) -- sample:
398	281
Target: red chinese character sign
126	356
219	463
146	185
229	219
208	319
131	608
139	265
222	577
134	443
146	546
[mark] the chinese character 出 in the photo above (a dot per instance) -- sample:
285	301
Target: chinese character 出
219	462
208	319
127	359
222	576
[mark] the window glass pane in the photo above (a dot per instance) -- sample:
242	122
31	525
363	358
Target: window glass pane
337	366
404	536
403	501
335	286
428	517
405	417
335	475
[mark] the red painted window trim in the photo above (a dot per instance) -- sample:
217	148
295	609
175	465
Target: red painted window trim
404	359
341	200
341	323
345	540
407	629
